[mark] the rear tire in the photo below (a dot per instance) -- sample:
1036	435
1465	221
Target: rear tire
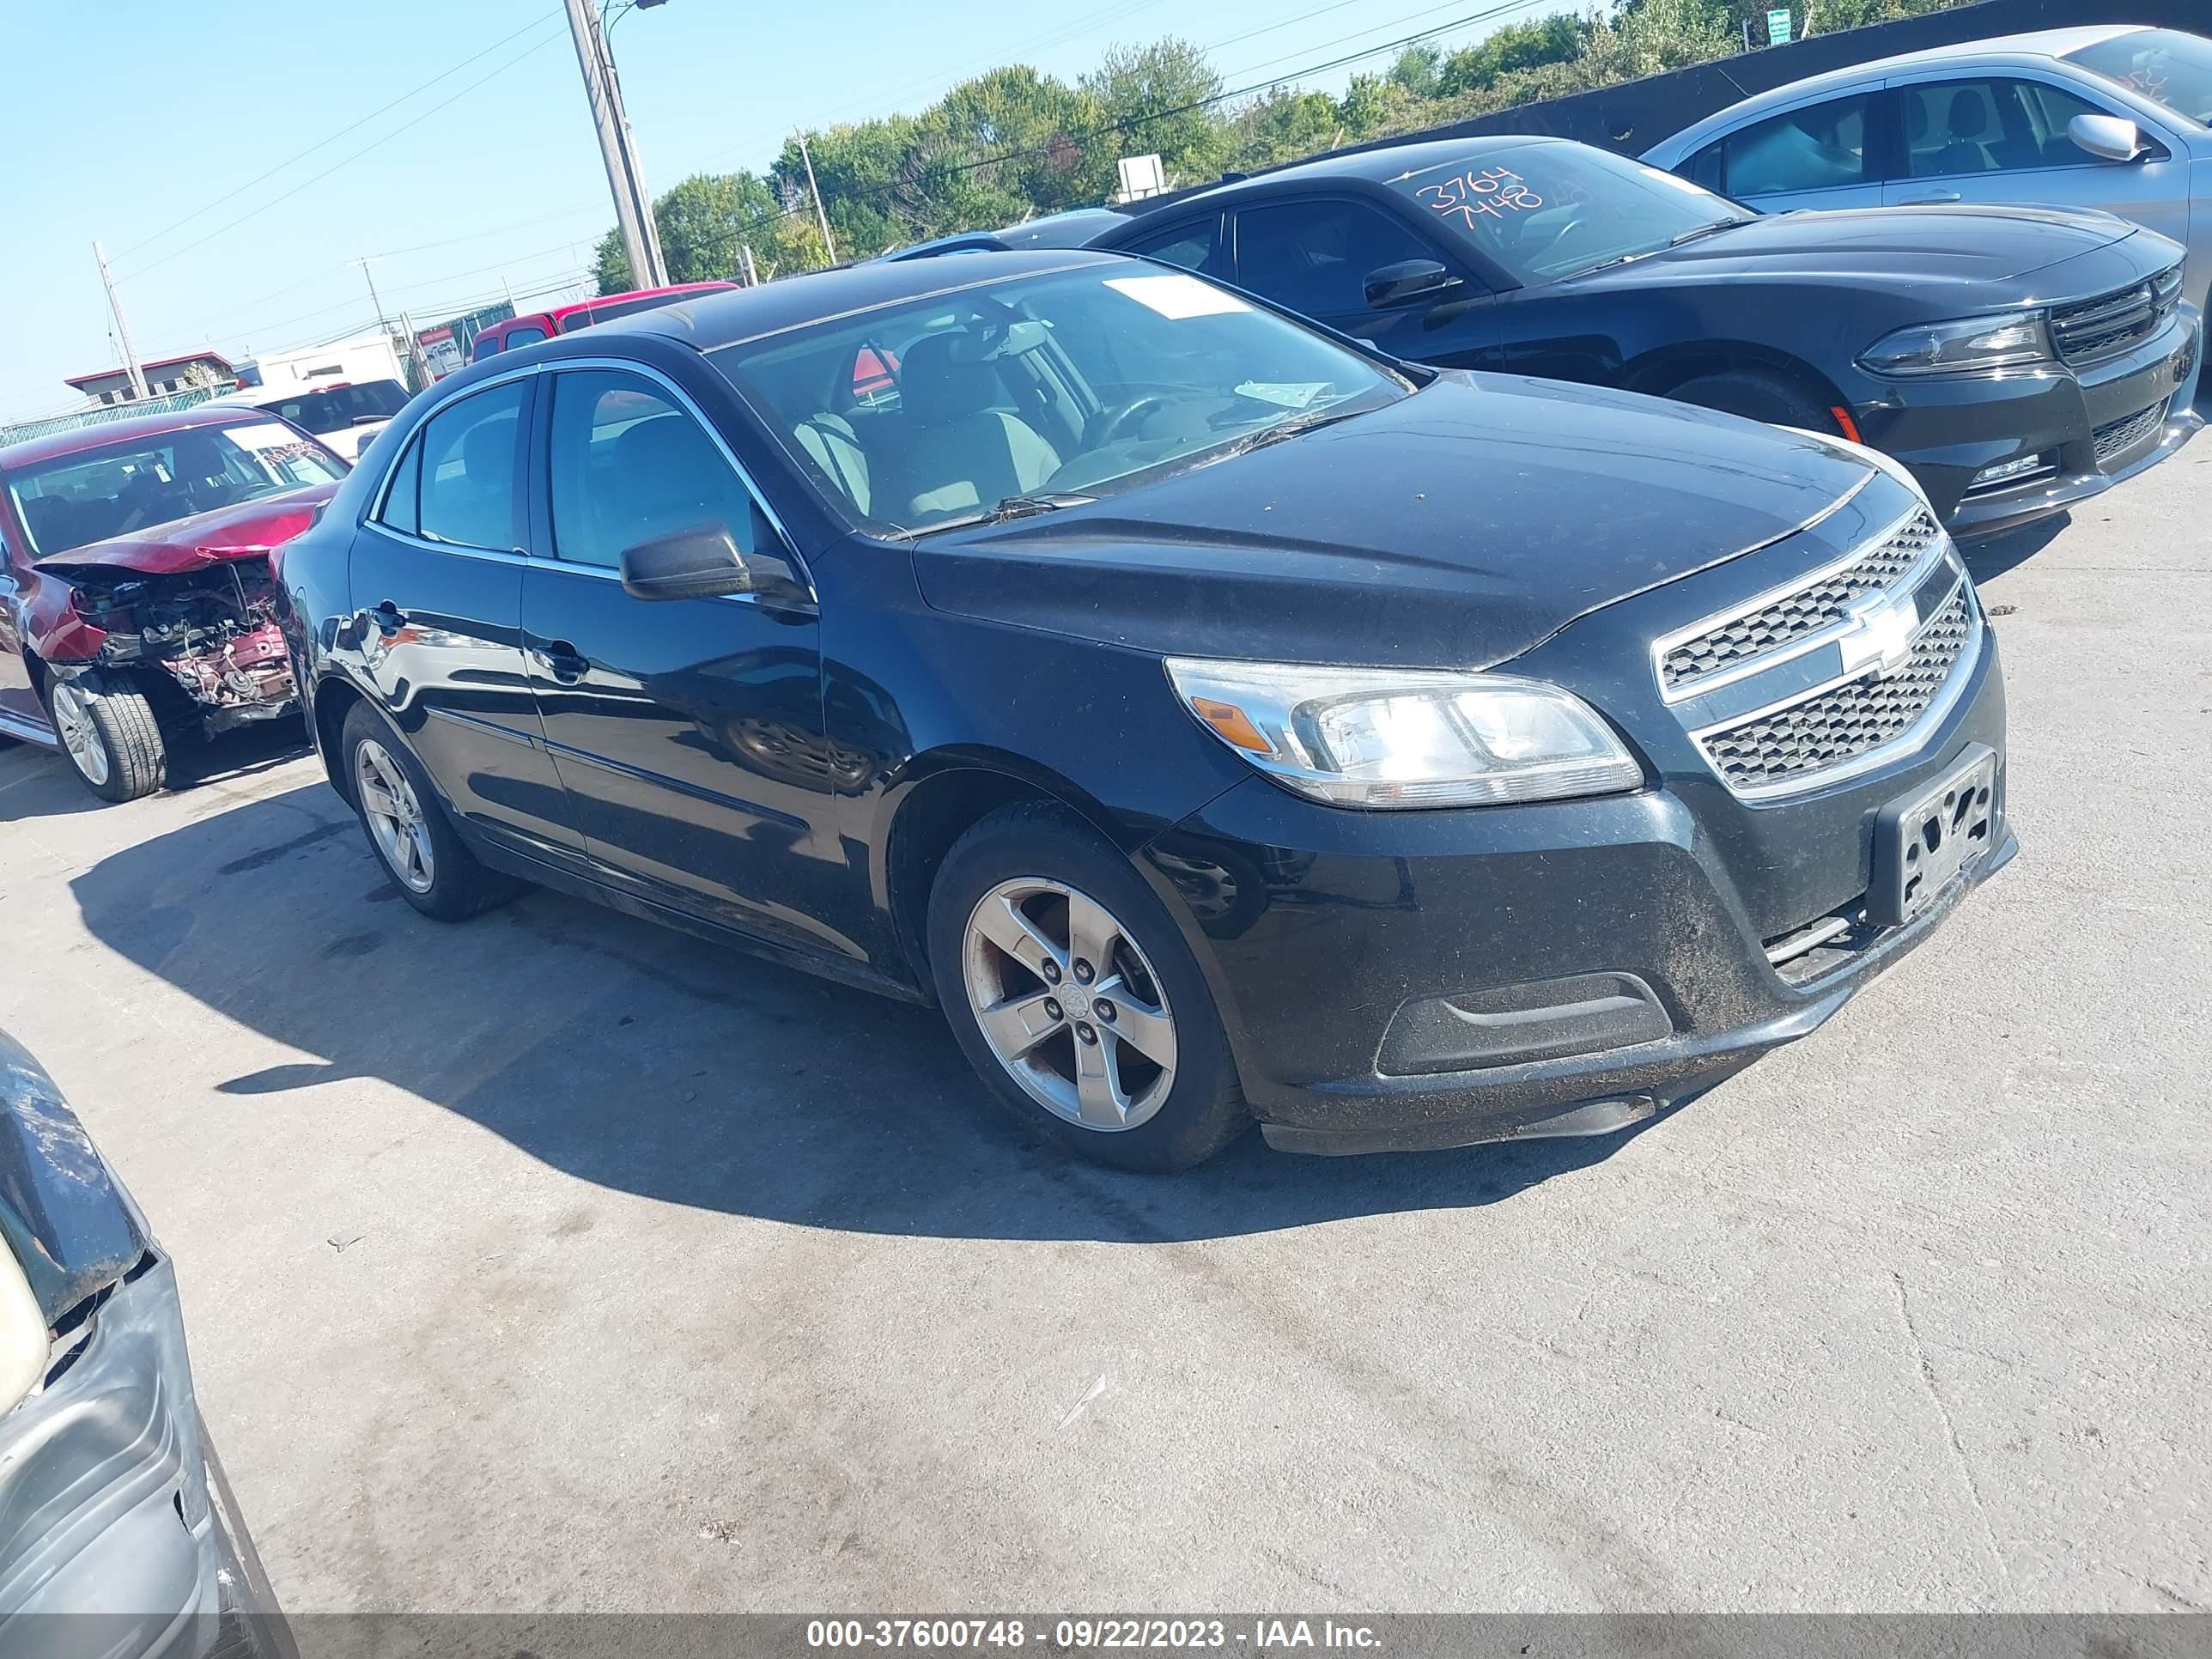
1757	395
414	841
1101	1031
108	735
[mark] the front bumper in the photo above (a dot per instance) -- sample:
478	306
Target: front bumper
1607	957
2090	427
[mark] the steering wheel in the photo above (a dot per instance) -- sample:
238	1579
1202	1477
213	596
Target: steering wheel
1129	415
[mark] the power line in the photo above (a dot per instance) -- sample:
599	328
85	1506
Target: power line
326	143
349	160
1442	28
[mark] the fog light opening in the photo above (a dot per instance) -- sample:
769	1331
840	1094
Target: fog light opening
2013	472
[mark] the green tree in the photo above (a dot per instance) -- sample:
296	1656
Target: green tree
1157	99
1283	124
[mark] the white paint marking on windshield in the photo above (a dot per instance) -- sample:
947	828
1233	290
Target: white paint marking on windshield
1176	297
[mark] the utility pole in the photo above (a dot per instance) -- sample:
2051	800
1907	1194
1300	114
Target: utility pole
365	262
122	328
821	218
745	262
632	202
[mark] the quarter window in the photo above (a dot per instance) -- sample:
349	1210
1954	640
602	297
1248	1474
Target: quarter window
401	506
1958	128
1314	257
629	465
1191	246
469	453
1820	147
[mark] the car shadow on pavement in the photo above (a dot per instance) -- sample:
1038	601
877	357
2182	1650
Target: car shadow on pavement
647	1061
1987	561
37	783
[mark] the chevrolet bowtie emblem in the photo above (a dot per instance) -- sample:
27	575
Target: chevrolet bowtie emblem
1881	634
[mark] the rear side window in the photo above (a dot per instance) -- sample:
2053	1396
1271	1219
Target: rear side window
470	451
401	511
1314	257
1193	246
1822	147
630	464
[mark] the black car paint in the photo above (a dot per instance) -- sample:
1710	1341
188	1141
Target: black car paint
1801	294
780	777
61	1212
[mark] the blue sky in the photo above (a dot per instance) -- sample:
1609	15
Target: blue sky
125	117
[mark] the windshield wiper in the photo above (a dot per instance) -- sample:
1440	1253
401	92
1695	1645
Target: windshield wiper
1281	431
1714	228
1634	254
1009	507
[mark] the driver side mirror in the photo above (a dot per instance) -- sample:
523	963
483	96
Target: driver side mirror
1410	282
2107	138
702	562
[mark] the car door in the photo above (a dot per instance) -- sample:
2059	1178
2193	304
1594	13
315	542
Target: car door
1312	254
689	733
19	703
2004	138
1828	153
436	576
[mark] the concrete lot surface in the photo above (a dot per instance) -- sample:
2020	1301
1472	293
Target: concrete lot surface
556	1261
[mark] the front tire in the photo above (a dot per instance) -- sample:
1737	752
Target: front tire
408	829
1757	395
109	736
1074	996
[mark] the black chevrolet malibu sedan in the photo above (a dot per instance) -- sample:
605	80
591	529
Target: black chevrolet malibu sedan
2017	361
1217	722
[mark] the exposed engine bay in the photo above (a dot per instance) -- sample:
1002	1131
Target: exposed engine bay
213	631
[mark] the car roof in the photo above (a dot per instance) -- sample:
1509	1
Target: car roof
1071	228
1378	164
2043	44
576	306
719	319
32	451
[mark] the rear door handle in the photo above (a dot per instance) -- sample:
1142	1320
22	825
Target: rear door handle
561	660
1930	199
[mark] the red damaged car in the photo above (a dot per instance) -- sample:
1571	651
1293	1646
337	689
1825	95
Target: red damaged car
136	596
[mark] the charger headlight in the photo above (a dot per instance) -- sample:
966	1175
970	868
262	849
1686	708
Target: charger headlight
1967	346
1381	738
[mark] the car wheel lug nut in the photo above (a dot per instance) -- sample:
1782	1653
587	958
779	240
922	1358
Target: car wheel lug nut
1082	971
1105	1010
1051	972
1051	1008
1085	1034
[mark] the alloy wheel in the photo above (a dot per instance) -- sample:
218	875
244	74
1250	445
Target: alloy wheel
80	736
1068	1004
394	816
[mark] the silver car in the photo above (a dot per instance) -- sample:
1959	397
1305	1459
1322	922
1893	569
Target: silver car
2119	118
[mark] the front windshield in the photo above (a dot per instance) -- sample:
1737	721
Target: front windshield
1546	211
2167	66
336	408
93	494
935	412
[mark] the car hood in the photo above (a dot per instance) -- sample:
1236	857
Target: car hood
1460	526
62	1213
1900	248
244	532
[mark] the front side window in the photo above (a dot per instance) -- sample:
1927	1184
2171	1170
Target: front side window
1820	147
1314	257
2172	69
1190	245
629	465
1959	128
1086	381
139	484
1546	211
468	452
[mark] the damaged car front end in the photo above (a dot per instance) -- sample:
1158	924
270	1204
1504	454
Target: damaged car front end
118	1534
139	596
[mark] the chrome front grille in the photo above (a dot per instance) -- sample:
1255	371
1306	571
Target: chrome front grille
2116	438
1776	621
2090	330
1834	727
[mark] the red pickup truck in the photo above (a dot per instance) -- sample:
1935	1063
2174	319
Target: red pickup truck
537	325
137	597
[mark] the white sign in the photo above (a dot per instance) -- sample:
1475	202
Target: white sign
1141	176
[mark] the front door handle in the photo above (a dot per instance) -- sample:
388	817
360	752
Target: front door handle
561	661
1933	198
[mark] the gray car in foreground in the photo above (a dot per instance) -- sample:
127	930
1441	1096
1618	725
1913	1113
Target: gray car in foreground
118	1534
2115	118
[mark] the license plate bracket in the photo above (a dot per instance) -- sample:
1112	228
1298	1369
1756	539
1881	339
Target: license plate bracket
1923	840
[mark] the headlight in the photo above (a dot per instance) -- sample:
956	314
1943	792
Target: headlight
1383	737
1963	347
